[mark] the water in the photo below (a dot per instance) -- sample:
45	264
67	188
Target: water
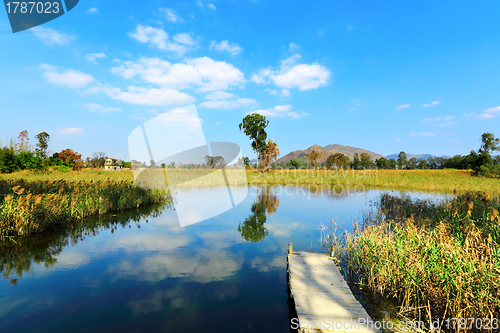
141	271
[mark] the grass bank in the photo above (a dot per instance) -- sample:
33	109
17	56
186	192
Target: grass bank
444	181
32	203
436	260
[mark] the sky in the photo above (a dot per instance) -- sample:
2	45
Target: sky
387	76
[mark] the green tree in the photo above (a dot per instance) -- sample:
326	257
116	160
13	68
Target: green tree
381	163
391	164
422	164
42	144
366	161
484	162
254	126
356	162
412	163
244	161
402	160
338	160
7	160
294	164
215	162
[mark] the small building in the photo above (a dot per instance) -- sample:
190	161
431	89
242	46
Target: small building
112	164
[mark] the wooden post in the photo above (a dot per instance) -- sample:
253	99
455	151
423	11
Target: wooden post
290	248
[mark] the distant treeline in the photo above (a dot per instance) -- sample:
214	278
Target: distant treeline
21	155
481	162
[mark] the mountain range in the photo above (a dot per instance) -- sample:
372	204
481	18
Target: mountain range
327	151
417	156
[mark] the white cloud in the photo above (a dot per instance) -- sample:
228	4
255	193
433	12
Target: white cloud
180	117
51	36
444	121
279	111
211	6
218	122
93	56
432	104
487	114
69	78
204	73
226	101
284	92
225	46
92	10
404	106
228	104
398	139
159	38
423	134
99	108
184	38
293	75
69	130
200	4
145	96
218	95
292	47
171	15
261	76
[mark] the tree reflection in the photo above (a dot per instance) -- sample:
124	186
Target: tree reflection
18	255
253	229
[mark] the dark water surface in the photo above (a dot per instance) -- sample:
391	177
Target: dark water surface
141	271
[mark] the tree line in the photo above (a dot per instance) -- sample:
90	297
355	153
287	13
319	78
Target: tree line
21	155
482	162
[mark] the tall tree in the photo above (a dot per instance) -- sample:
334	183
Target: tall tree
43	144
271	154
402	160
313	158
71	158
23	141
254	126
484	161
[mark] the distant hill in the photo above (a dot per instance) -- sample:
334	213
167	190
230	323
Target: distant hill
327	151
417	156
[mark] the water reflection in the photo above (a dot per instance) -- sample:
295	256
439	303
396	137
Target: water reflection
266	203
17	257
225	274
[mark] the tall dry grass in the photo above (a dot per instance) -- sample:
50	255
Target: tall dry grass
445	181
29	206
437	260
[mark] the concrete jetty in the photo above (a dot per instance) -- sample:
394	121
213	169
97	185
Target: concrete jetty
323	300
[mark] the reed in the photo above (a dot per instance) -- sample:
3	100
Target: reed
33	206
437	260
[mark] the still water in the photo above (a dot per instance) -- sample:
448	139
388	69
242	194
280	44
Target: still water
140	271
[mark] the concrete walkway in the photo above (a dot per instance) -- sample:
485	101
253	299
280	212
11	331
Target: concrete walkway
323	300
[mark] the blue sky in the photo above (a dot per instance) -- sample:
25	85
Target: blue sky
385	76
